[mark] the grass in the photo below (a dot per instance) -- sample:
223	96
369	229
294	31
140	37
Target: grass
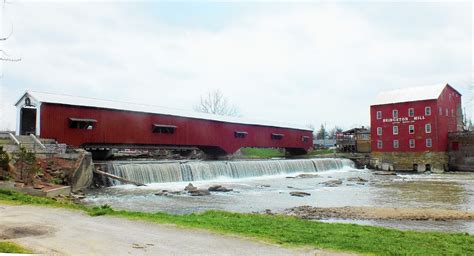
261	152
9	247
290	231
321	152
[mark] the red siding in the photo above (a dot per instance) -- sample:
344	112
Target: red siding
125	127
440	123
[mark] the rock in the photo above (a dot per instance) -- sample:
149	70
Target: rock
299	194
200	192
219	188
268	211
190	188
38	186
307	175
357	179
161	193
19	185
290	177
332	183
263	186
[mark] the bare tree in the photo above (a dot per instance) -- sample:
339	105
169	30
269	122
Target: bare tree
214	102
3	55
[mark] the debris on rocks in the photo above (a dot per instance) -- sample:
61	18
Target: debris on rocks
357	179
332	183
299	194
307	176
199	192
384	173
219	188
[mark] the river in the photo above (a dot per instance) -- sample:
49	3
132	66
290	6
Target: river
262	185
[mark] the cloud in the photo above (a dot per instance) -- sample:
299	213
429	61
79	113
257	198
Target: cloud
313	63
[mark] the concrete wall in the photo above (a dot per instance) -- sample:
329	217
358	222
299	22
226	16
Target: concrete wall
405	161
461	156
82	176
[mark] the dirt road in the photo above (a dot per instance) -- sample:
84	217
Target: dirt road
62	232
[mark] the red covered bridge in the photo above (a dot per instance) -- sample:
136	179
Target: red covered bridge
94	123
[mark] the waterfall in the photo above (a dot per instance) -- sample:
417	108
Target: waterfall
160	172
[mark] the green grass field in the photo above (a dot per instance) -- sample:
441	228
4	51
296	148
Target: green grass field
9	247
289	231
261	153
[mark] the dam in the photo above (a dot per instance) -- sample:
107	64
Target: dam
147	172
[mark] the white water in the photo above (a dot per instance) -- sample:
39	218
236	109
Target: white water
162	172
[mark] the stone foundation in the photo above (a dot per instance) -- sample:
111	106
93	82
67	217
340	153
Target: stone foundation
410	161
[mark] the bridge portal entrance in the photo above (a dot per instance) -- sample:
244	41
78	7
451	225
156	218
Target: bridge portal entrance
28	121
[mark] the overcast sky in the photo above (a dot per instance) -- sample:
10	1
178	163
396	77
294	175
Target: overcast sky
298	63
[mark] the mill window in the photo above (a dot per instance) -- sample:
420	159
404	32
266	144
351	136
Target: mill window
379	144
379	130
411	112
428	111
379	115
428	128
396	144
429	143
411	129
395	113
412	143
395	130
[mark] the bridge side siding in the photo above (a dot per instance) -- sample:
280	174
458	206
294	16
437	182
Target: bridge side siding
126	127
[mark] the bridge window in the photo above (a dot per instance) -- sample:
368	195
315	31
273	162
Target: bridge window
277	136
240	134
305	138
162	128
79	123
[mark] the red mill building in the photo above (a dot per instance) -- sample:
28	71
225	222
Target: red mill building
409	127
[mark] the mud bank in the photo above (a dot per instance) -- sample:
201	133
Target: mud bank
373	213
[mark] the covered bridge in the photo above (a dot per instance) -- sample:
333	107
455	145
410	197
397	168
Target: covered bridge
103	124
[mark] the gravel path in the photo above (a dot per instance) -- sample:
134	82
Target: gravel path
53	231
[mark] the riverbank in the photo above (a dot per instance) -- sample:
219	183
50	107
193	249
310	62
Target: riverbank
282	230
374	213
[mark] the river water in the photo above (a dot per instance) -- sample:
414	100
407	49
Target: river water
264	188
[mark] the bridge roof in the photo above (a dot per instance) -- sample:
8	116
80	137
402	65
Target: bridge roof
62	99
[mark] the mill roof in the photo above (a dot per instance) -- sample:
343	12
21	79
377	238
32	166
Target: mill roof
429	92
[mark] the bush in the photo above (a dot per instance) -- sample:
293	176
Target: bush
4	161
26	164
